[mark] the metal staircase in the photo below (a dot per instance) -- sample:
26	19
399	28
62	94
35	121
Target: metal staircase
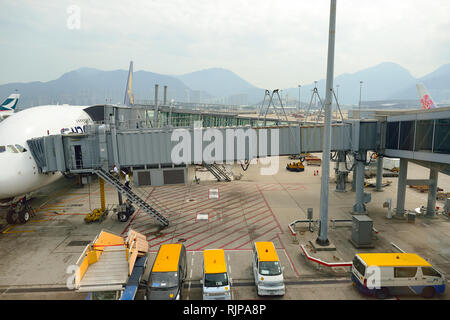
149	207
220	173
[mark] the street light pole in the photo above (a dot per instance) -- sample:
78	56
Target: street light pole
322	239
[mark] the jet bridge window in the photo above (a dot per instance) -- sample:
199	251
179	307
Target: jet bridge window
424	135
442	136
407	135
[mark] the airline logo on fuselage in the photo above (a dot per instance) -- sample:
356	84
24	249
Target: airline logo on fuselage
77	129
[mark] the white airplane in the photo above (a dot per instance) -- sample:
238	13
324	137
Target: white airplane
8	106
19	173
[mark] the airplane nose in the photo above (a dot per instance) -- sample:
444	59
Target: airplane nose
13	175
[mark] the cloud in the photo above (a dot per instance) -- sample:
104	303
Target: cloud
269	43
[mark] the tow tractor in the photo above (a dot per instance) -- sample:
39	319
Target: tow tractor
110	267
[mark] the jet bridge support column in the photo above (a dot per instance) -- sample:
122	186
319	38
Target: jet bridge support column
432	191
341	174
359	206
355	169
379	173
401	189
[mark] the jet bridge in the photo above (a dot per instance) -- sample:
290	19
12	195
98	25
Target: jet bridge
422	137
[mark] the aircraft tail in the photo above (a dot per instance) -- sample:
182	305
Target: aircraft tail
10	103
129	97
425	99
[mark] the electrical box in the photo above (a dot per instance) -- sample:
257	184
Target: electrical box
362	227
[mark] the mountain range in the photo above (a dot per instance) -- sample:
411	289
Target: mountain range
88	86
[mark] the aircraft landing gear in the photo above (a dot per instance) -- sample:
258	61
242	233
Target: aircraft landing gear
20	212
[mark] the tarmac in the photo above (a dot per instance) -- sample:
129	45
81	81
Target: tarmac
36	255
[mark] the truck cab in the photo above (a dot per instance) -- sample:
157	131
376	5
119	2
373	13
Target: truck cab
215	282
267	269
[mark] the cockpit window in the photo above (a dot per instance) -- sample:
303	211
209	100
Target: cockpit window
20	148
2	149
11	148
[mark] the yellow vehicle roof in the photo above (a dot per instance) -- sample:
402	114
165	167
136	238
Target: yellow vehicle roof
393	260
167	258
266	251
214	260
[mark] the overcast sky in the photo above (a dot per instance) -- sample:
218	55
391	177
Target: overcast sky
268	43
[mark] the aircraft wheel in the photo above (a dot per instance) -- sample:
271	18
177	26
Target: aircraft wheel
24	216
11	216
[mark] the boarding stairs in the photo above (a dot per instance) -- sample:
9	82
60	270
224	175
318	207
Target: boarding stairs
219	172
148	207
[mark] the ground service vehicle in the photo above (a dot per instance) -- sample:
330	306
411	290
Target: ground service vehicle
216	283
267	270
295	166
111	268
168	273
382	274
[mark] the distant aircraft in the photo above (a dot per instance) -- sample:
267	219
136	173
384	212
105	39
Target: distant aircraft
425	99
8	106
19	175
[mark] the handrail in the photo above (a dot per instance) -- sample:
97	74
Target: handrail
315	221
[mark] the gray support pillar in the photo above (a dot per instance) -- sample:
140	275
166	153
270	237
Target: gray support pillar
322	240
401	189
355	168
359	206
379	173
340	175
432	192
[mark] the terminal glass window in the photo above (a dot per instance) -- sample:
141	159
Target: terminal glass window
442	136
407	135
405	272
269	268
392	135
216	279
424	136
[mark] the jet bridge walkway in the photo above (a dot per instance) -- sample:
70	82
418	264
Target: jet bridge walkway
133	197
